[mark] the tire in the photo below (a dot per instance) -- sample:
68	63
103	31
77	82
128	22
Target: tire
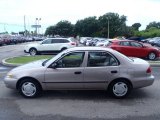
29	88
120	89
33	52
152	56
63	49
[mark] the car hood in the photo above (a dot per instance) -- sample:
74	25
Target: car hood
31	65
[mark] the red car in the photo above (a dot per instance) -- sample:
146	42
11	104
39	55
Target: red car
134	49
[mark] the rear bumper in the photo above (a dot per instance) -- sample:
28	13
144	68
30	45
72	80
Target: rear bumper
143	82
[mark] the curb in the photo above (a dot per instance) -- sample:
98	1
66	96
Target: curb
3	62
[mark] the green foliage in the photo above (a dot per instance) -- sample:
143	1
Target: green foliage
92	26
117	24
63	28
149	33
136	26
153	24
87	27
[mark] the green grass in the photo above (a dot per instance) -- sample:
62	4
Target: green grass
27	59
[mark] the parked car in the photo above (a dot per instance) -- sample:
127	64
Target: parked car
134	49
102	42
94	41
154	40
84	39
136	38
50	45
82	68
156	43
1	41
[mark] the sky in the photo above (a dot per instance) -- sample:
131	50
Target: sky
49	12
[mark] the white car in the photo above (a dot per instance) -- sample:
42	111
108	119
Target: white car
50	45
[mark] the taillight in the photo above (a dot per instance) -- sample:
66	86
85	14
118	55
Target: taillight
149	70
73	43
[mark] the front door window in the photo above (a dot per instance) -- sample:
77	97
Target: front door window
74	59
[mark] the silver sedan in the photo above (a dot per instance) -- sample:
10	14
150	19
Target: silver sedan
82	68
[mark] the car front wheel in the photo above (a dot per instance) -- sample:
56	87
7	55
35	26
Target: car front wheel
120	88
29	88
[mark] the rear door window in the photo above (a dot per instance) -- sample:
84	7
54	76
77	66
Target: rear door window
99	59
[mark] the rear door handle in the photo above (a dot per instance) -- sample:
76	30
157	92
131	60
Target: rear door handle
114	71
78	72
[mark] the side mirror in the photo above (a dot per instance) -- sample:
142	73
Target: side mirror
54	65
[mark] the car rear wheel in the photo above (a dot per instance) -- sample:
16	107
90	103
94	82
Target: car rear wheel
29	88
119	88
33	51
63	49
152	56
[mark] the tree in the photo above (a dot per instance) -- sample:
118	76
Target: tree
153	24
87	27
51	30
136	26
117	25
63	28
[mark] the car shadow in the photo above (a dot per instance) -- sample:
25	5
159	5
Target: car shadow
93	95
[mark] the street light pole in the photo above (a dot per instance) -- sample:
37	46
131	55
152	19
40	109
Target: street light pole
37	25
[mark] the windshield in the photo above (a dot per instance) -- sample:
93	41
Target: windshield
49	61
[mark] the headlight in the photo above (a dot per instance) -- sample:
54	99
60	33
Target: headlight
10	76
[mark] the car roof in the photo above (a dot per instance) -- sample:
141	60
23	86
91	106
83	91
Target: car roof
90	48
57	38
123	40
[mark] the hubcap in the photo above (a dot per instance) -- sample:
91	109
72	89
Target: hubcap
33	52
28	89
120	89
152	56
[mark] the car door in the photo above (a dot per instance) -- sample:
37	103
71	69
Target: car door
68	73
138	50
124	48
46	45
101	68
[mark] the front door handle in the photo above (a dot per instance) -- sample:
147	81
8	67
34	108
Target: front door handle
78	72
114	71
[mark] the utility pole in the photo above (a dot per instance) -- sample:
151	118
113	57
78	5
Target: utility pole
108	28
24	25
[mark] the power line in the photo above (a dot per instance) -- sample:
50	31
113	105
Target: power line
11	24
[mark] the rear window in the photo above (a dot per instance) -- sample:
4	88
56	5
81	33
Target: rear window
129	59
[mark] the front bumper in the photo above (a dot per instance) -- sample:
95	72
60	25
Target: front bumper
10	82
